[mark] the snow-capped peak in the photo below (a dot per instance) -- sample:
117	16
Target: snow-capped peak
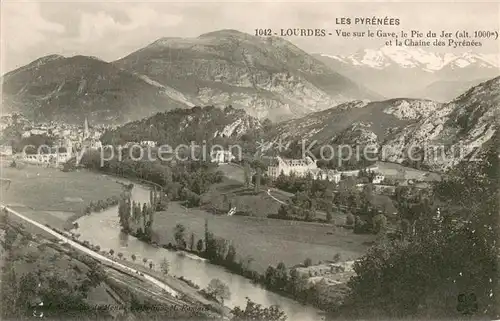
406	57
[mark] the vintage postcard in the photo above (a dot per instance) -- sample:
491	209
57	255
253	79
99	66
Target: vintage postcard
266	160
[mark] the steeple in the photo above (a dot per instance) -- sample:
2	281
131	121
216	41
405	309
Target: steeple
86	133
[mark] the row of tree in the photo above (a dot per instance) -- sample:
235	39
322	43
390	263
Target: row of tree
138	220
101	205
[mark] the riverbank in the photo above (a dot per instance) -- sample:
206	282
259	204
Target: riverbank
201	273
189	293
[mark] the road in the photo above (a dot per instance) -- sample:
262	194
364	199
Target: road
274	198
91	253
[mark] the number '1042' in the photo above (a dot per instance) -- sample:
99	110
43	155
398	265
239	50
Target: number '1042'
263	32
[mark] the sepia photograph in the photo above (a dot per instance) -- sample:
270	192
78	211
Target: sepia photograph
249	161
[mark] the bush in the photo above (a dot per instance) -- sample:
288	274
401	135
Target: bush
361	226
379	224
349	220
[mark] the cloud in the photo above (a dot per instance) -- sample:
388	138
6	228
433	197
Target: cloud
23	26
96	26
111	29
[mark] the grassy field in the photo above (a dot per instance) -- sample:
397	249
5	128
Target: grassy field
267	241
244	199
397	171
51	196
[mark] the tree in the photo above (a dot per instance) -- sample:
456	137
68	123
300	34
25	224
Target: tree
120	255
111	252
133	257
349	220
281	276
254	311
247	176
199	246
124	209
144	260
307	262
151	265
379	224
258	175
231	255
179	232
165	266
329	215
191	242
218	290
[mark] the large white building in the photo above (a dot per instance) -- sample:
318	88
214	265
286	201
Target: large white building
300	167
303	167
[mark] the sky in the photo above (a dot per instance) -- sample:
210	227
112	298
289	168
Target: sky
112	29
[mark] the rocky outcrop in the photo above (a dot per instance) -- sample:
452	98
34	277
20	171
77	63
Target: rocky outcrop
453	131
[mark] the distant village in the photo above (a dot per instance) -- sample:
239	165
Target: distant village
67	139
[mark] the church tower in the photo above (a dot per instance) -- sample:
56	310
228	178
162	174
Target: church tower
86	132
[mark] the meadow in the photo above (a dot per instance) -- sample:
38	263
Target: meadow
51	196
266	241
398	171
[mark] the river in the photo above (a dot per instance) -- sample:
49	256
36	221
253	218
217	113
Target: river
103	229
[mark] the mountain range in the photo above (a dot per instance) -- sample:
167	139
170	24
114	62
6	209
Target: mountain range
268	77
415	72
395	128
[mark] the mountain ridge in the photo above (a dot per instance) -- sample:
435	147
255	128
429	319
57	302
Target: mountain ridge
418	68
270	77
72	88
400	127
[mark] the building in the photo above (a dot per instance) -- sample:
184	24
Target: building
38	131
299	167
148	143
378	179
221	156
355	172
5	150
55	156
325	174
